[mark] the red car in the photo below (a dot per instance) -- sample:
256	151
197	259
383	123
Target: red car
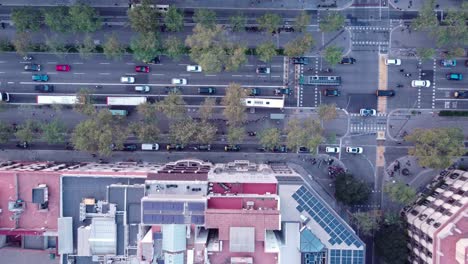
62	67
142	68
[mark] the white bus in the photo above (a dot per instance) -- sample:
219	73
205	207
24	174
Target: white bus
56	99
264	102
131	100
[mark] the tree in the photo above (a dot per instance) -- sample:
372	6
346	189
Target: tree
208	47
100	133
55	45
266	51
302	21
299	46
84	104
206	18
54	132
333	55
454	31
145	47
270	138
435	148
112	48
174	19
426	19
269	22
456	52
236	58
26	18
5	133
332	22
148	111
26	131
174	47
400	192
391	244
57	18
295	135
304	133
237	22
206	132
84	18
425	53
327	112
234	109
22	43
207	108
183	131
5	45
87	48
145	131
350	191
173	106
235	134
143	18
368	222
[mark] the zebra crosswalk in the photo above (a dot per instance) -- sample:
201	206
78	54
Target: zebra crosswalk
363	128
378	114
370	43
368	28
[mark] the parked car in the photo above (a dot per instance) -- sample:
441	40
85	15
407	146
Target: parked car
194	68
142	69
300	60
281	91
466	63
175	147
263	70
206	90
62	67
130	147
420	83
332	150
393	62
127	79
23	145
32	67
203	147
252	91
347	60
303	150
281	149
142	89
367	112
231	148
454	76
173	90
385	93
448	63
150	146
40	77
460	94
155	60
179	81
354	150
44	88
331	92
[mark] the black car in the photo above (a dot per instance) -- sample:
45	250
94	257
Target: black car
32	67
348	60
331	92
231	148
175	147
173	90
303	150
130	147
23	145
300	60
263	70
203	147
281	149
385	93
460	94
44	88
155	60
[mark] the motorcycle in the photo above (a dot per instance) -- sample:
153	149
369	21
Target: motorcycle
27	58
327	70
98	86
408	74
399	86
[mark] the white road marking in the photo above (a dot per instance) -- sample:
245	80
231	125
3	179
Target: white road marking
104	63
249	65
51	62
158	74
133	74
2	61
276	66
210	75
451	89
236	75
104	73
2	72
130	63
182	64
77	63
24	72
184	74
155	84
249	76
24	62
78	73
11	82
275	76
51	73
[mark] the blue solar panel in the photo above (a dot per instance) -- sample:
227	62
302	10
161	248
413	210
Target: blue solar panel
196	206
198	219
147	219
299	208
179	219
157	235
167	219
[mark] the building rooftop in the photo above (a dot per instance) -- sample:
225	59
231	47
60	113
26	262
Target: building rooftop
452	239
242	188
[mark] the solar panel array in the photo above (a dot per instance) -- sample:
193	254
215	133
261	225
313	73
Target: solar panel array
339	256
167	212
339	233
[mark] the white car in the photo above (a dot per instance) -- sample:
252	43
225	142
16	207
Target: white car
127	79
354	150
393	62
420	83
179	81
150	146
194	68
367	112
142	89
332	150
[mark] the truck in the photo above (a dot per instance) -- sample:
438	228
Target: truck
128	100
55	99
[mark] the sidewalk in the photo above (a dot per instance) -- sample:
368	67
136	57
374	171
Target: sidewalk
415	5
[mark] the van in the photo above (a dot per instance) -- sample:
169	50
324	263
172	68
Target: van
206	90
393	62
142	89
148	146
385	93
4	97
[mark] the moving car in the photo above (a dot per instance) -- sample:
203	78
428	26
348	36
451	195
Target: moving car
142	69
420	83
354	150
32	67
173	90
206	90
460	94
252	91
231	148
367	112
62	67
332	150
347	60
194	68
454	76
150	146
179	81
281	91
40	77
263	70
175	147
127	79
44	88
393	62
300	60
142	89
448	63
385	93
331	92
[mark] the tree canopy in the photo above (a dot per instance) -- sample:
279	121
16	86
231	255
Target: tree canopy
54	132
302	21
174	19
146	46
368	222
333	55
173	106
143	18
269	22
327	112
57	18
237	22
400	192
391	244
26	18
332	22
205	18
270	138
113	49
351	191
84	18
234	109
304	133
299	46
266	51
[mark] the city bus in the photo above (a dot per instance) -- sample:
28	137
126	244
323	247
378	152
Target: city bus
130	100
57	99
264	102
